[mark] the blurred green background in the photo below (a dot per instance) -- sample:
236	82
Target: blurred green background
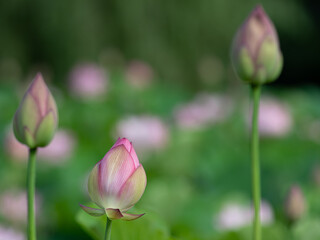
159	73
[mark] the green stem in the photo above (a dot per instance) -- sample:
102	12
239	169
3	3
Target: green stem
31	181
107	235
255	162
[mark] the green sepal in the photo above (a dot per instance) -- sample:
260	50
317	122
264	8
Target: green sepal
278	68
95	212
28	113
130	217
270	59
113	214
244	65
46	130
28	138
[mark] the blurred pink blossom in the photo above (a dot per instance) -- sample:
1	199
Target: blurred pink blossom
204	110
88	81
16	150
146	132
13	205
266	213
60	149
57	152
274	118
234	216
139	74
10	234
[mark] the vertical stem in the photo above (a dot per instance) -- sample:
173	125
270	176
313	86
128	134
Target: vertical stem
255	162
31	180
107	235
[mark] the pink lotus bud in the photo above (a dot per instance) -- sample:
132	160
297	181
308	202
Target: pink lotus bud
117	182
36	119
256	54
295	204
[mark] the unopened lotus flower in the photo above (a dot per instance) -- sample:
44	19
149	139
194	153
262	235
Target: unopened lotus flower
36	119
295	205
117	182
256	55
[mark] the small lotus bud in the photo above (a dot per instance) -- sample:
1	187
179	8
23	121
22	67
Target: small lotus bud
316	175
36	119
295	204
117	182
256	54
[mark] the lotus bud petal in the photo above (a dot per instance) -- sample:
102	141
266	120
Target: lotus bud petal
36	119
256	55
117	182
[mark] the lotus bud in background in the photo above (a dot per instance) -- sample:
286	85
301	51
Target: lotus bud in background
256	55
316	175
295	205
116	183
36	119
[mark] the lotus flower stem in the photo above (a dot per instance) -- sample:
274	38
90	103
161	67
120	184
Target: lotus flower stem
107	235
31	180
256	89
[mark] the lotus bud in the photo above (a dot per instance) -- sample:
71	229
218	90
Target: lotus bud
295	204
116	183
316	175
256	55
36	119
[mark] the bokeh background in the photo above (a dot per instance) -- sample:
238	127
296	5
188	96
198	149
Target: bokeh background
159	73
